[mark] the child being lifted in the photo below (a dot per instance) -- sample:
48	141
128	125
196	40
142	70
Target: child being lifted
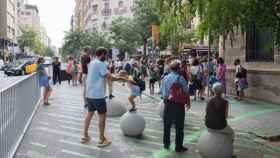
133	86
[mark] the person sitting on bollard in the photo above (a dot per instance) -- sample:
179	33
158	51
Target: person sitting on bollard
217	110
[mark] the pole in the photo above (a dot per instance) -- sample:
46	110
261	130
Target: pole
208	67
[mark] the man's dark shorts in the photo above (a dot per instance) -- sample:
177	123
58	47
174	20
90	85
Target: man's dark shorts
98	105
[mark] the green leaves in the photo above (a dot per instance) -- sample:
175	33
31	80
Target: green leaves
75	41
124	36
227	17
27	38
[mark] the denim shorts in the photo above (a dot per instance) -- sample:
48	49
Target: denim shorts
135	91
98	105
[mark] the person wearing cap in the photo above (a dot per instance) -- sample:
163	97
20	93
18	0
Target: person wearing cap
217	110
173	112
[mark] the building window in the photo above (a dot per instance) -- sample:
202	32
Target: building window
104	26
259	45
95	9
107	5
121	4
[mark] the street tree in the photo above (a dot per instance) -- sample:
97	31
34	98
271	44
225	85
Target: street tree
124	37
228	17
27	38
75	41
175	30
146	14
49	52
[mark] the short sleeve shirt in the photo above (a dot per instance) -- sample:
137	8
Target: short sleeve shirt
96	80
85	60
41	69
215	113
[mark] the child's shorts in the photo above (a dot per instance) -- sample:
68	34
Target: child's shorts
135	91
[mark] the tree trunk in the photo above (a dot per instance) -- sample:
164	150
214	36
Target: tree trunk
222	47
145	47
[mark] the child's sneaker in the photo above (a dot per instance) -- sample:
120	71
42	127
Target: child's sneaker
111	96
132	110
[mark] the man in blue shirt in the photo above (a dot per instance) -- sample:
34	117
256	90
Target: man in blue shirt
95	94
173	112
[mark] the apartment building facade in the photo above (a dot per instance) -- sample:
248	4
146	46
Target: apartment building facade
99	14
28	15
80	14
8	25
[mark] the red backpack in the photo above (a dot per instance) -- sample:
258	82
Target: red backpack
177	94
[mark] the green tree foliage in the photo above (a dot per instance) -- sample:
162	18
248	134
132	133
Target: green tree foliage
27	38
226	17
146	14
124	36
39	47
75	41
174	30
49	52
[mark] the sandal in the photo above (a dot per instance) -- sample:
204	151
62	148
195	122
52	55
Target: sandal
85	140
103	143
46	104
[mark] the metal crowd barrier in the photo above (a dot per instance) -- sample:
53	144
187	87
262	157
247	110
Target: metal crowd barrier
18	104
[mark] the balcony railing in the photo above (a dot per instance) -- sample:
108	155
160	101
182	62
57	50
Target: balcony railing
106	12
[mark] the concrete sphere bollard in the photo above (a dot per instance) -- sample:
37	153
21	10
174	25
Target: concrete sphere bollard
160	109
215	145
115	108
132	124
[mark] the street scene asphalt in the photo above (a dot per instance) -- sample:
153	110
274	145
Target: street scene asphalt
6	81
56	130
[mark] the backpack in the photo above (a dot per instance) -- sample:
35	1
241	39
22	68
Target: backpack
142	85
177	93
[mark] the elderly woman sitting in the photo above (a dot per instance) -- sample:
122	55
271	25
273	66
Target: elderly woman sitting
217	113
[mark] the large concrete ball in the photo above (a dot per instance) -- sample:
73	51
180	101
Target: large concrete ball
160	109
115	108
132	124
215	145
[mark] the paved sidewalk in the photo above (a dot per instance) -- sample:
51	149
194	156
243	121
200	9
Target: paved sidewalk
56	130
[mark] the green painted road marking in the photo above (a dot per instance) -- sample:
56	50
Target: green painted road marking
195	135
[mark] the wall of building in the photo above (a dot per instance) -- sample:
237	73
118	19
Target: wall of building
8	19
29	15
99	14
3	21
263	77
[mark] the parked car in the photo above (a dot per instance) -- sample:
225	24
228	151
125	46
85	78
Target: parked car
25	68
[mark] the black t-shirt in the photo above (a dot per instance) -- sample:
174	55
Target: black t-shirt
215	113
56	66
85	60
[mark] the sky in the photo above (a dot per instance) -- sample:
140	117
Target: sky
55	15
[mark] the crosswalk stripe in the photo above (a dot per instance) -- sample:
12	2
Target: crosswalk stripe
38	144
77	154
89	146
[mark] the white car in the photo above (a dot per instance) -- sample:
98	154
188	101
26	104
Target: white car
48	60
